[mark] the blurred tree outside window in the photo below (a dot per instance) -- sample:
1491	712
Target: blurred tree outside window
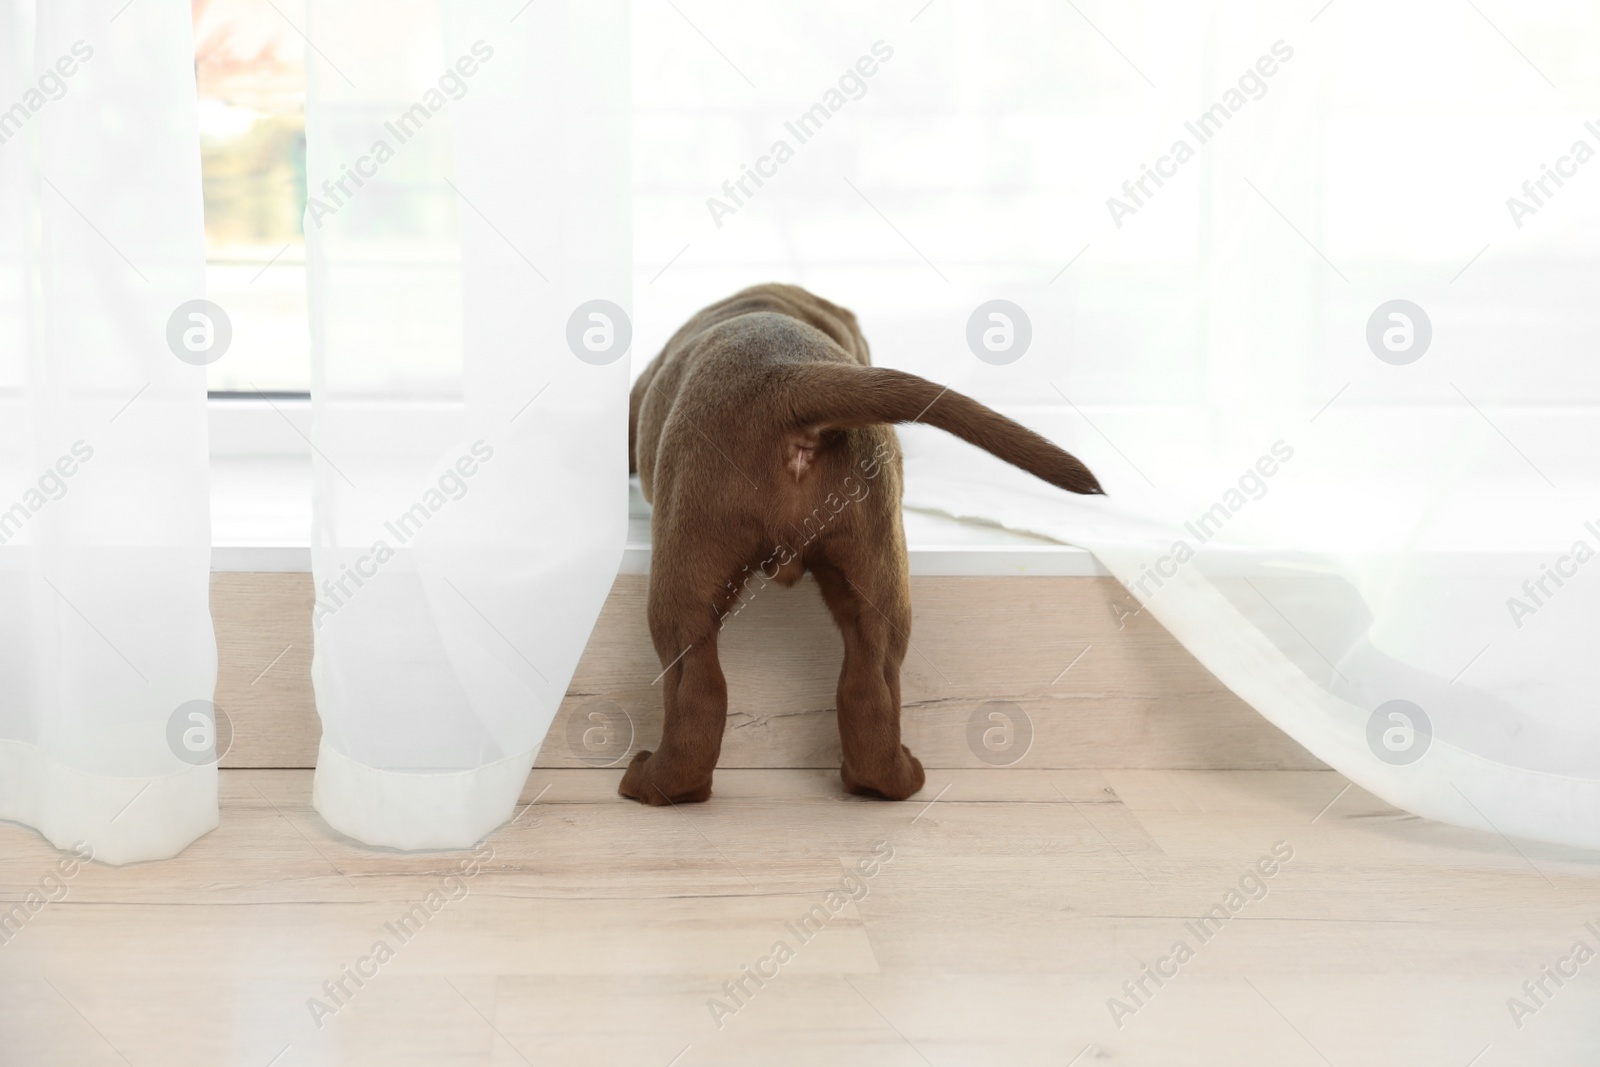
250	73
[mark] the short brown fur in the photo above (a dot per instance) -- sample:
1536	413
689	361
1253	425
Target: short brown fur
761	436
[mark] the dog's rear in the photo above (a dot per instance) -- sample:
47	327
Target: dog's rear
653	394
761	435
813	387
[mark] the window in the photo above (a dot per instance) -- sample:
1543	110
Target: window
250	70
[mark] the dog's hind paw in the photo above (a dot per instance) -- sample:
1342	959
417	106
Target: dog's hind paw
643	782
903	779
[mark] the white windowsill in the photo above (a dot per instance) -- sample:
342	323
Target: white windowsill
261	510
261	513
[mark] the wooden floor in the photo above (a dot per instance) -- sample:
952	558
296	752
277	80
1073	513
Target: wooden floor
1014	907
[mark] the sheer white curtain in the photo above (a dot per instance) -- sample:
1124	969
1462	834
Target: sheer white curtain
468	235
1396	568
106	644
1389	488
1371	514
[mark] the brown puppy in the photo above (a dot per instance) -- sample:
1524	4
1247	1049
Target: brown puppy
761	437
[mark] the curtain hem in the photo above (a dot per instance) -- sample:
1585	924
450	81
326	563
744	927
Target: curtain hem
413	810
1450	784
121	820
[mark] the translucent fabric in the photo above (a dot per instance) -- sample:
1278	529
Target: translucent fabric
106	646
1314	301
468	238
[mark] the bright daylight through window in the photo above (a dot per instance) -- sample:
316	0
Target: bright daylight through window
250	69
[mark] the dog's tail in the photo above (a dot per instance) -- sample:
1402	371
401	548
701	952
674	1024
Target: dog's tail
844	396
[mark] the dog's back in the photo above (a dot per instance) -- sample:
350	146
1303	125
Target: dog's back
775	377
768	339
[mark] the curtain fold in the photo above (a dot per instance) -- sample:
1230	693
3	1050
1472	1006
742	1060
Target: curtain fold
469	246
1369	512
107	657
1375	682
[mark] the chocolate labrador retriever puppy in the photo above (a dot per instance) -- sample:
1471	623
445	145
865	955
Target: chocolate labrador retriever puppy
761	436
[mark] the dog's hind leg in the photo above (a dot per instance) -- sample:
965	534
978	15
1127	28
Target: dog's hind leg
684	608
871	602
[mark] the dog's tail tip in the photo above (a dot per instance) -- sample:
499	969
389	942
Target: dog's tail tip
840	396
1047	461
1077	478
